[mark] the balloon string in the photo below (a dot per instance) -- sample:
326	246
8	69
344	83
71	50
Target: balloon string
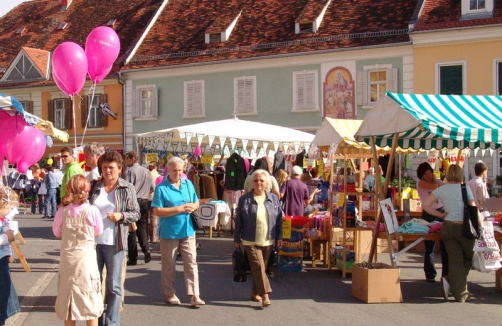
91	90
74	122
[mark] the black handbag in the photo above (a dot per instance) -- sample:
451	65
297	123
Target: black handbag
195	216
470	226
239	264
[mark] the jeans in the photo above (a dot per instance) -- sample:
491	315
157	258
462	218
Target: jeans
34	196
50	202
113	261
429	262
140	235
9	302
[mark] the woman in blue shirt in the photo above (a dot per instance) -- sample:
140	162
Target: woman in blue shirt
173	201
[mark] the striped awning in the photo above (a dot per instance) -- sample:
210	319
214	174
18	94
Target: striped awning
435	121
337	135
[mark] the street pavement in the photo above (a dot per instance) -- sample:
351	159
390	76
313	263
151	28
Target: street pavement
315	296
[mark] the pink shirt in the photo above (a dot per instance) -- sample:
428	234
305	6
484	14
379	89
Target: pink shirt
93	217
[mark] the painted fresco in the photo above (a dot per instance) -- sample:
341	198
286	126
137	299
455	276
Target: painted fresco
339	95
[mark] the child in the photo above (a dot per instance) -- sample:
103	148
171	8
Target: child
77	224
9	302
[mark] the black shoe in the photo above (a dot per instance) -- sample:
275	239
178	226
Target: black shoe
131	263
51	217
148	257
45	217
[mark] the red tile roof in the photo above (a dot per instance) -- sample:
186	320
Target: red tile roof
312	10
267	27
42	18
446	14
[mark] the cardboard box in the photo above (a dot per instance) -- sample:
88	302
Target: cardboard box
380	284
383	246
498	279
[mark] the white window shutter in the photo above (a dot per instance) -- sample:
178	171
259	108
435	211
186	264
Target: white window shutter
189	99
362	87
392	80
197	99
135	103
240	95
300	91
155	103
309	91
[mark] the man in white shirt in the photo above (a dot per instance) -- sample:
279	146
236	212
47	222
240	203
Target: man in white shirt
92	153
478	185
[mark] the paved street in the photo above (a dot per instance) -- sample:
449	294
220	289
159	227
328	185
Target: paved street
313	297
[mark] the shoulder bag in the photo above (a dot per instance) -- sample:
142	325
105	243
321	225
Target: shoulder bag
195	216
470	227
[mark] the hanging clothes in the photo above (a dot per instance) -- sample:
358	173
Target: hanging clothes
235	172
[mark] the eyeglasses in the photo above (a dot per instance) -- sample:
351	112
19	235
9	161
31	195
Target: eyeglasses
64	156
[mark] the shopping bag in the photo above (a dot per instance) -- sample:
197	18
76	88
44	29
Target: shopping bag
486	261
486	241
239	264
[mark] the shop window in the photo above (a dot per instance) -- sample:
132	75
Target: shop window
194	99
373	82
146	106
305	91
60	113
245	95
94	112
450	79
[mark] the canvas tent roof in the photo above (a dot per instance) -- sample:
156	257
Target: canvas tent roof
338	134
234	133
435	121
12	106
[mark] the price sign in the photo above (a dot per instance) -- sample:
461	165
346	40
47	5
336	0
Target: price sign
286	228
151	157
433	158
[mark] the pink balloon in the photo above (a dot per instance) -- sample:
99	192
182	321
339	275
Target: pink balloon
159	180
37	150
99	78
11	133
197	150
69	65
102	48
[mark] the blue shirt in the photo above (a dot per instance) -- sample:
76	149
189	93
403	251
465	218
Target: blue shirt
178	226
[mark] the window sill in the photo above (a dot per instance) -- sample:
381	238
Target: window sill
294	110
368	106
245	114
145	119
194	116
95	128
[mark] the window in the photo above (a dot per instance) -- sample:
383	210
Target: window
96	117
450	79
146	102
305	92
27	106
23	70
498	83
245	95
373	82
472	9
194	99
60	113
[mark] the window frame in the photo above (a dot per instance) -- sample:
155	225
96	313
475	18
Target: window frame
447	64
486	11
254	110
311	107
497	78
363	83
138	109
186	100
62	112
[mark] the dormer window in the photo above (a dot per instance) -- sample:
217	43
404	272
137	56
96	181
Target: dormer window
62	26
222	27
474	9
215	38
111	22
20	30
311	17
306	27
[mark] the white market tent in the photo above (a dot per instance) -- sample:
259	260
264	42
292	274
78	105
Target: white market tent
231	133
432	121
12	106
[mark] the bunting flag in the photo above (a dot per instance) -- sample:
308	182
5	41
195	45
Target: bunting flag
210	140
245	145
188	136
233	141
276	146
265	146
255	145
297	146
223	140
200	137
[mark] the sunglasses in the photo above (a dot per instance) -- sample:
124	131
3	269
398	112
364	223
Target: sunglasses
64	156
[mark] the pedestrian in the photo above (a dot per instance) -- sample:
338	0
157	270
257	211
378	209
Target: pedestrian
478	186
426	184
71	168
116	200
51	183
79	285
173	201
153	223
141	178
258	224
92	152
458	247
36	199
296	193
9	301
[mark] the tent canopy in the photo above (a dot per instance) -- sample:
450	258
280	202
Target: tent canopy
435	121
338	134
234	133
12	106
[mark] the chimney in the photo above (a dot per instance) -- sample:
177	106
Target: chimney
66	3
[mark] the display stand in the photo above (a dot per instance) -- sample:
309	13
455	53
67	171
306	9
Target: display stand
350	230
19	253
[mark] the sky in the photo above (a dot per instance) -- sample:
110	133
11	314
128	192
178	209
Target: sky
8	5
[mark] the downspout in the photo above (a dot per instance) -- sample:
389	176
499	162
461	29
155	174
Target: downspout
120	80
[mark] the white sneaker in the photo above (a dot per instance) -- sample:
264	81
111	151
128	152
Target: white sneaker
446	288
196	302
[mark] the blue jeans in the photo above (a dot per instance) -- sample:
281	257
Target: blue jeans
113	261
34	196
9	302
50	202
429	262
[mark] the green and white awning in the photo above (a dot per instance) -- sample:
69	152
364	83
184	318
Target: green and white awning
435	121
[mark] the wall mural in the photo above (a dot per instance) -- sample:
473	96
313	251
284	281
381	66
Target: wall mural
338	94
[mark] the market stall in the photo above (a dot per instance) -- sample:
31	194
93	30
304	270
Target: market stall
421	121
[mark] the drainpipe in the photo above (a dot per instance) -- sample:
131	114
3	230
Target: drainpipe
121	81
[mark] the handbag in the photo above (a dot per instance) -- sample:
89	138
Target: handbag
470	226
239	265
43	189
195	216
